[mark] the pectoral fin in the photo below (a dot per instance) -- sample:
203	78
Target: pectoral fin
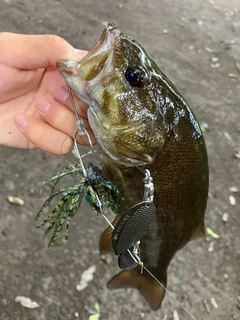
148	287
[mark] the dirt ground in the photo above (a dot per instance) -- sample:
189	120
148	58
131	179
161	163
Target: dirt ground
185	38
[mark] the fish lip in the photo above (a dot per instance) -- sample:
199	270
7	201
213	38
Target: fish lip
66	66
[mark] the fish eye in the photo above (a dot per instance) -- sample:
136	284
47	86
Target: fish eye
134	77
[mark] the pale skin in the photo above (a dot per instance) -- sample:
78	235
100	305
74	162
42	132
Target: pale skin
35	109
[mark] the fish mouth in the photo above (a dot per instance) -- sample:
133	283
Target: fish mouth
89	78
86	73
90	66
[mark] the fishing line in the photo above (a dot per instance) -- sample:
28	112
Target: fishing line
79	157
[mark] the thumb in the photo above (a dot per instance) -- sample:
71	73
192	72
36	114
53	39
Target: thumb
35	51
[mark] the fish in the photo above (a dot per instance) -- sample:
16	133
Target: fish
141	121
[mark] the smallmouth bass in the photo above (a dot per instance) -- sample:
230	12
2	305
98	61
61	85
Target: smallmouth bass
140	120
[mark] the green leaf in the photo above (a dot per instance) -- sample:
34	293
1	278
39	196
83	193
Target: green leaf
94	316
97	307
212	233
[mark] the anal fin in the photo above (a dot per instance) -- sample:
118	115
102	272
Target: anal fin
105	241
199	233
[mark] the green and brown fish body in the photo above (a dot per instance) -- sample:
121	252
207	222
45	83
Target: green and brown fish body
140	119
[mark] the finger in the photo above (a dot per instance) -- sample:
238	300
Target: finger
50	47
61	95
43	136
62	118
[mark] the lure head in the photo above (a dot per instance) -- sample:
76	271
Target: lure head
99	190
120	82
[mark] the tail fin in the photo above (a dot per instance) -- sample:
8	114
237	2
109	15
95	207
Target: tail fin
149	288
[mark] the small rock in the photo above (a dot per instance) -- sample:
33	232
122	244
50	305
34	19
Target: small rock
76	315
225	217
214	59
4	302
215	65
204	127
226	276
232	200
209	49
233	189
106	259
175	315
165	31
211	247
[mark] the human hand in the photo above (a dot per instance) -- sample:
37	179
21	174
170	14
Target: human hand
35	109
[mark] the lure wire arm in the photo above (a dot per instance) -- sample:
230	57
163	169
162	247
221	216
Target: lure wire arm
79	124
148	187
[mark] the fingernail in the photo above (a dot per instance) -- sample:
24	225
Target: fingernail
42	105
79	53
60	94
20	121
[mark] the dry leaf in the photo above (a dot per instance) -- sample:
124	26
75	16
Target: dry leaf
238	66
26	302
233	189
86	277
106	259
232	75
214	303
16	200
